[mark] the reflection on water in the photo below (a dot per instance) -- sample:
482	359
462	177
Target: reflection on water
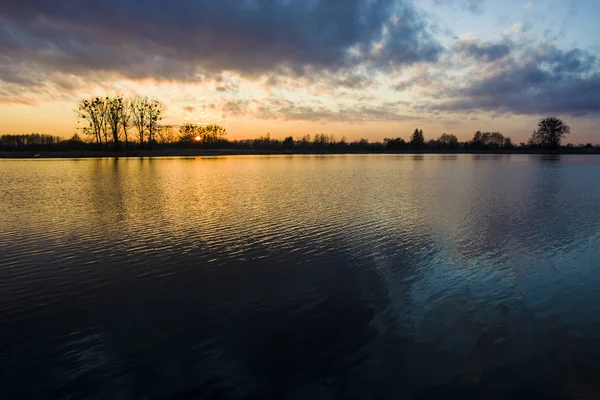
418	277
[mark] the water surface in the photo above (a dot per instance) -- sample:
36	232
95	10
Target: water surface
301	277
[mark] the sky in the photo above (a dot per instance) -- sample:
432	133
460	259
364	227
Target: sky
353	68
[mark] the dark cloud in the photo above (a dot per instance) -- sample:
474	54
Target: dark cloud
482	51
234	108
420	78
283	109
545	80
189	40
322	82
473	6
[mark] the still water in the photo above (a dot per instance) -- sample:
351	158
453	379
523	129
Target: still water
301	277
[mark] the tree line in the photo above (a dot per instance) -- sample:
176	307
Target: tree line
108	120
130	123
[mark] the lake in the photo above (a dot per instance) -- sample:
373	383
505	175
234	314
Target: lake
301	277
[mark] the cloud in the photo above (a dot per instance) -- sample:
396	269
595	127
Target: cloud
518	28
284	109
353	114
528	5
235	108
195	40
338	51
473	6
475	49
542	80
420	78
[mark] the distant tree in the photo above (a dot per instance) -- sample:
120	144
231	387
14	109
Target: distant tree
33	140
288	142
448	140
265	142
550	133
394	144
361	144
535	139
485	138
490	140
74	142
320	140
189	133
417	139
477	141
305	141
212	134
496	139
76	139
165	134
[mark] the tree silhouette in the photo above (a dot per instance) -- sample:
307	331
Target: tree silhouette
490	140
146	114
550	133
188	133
208	135
114	110
394	144
417	139
154	110
212	134
93	112
165	134
138	108
288	142
125	117
448	140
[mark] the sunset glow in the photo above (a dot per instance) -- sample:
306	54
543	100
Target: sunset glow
356	68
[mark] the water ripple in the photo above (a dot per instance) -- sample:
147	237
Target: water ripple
345	276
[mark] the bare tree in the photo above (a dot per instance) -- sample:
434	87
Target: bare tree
165	134
105	126
114	110
189	133
146	115
138	106
93	112
154	110
213	134
125	117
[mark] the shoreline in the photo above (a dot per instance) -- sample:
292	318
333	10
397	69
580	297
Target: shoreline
231	152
